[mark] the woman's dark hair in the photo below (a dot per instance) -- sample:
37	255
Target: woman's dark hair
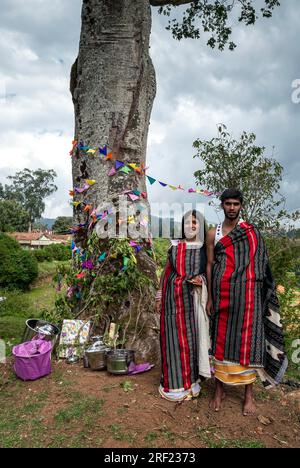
200	217
232	193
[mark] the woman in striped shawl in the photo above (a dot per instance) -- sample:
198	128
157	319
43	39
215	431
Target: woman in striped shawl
181	302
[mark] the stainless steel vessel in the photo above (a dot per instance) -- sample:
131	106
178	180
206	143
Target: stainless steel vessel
118	360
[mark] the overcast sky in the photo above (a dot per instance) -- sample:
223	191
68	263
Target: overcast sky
248	89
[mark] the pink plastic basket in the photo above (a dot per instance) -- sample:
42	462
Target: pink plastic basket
32	359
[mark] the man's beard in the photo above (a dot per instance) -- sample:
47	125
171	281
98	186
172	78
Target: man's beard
233	218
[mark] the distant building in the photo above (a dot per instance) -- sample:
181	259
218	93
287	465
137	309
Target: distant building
37	240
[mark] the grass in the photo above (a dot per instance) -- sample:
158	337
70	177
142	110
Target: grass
81	408
211	439
150	437
24	424
120	434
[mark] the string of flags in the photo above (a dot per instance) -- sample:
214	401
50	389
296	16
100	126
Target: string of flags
120	167
133	195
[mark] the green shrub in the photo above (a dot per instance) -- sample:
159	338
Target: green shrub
18	267
58	252
16	303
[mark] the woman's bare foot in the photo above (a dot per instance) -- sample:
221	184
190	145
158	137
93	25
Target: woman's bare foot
249	408
216	403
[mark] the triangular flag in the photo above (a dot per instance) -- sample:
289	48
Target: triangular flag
91	151
76	204
132	165
125	169
133	197
80	276
102	257
144	194
137	192
109	156
103	150
90	182
133	244
173	187
180	188
119	164
151	180
191	190
164	185
83	189
71	193
112	172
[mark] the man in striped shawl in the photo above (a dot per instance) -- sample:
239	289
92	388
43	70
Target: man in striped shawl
247	336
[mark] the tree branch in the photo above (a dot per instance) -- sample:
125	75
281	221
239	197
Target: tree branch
160	3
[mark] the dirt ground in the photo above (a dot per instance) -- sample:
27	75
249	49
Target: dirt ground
75	407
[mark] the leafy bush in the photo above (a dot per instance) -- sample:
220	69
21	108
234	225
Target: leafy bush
18	268
16	303
52	252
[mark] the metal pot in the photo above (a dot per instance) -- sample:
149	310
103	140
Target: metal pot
85	361
96	358
119	360
72	359
40	329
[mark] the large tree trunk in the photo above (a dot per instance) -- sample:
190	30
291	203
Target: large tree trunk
113	88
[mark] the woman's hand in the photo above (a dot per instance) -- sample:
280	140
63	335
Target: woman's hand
196	281
158	300
158	306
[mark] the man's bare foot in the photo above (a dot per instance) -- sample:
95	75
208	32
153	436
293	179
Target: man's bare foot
249	408
216	403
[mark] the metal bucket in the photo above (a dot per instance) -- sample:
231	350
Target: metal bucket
119	360
97	358
36	328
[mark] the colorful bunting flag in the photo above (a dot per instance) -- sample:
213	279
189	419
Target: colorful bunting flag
125	169
81	275
90	182
151	180
133	197
103	150
112	172
119	164
102	257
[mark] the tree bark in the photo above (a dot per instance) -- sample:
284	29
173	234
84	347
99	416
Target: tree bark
160	3
113	87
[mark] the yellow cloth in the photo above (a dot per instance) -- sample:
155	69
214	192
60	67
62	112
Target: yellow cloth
234	374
